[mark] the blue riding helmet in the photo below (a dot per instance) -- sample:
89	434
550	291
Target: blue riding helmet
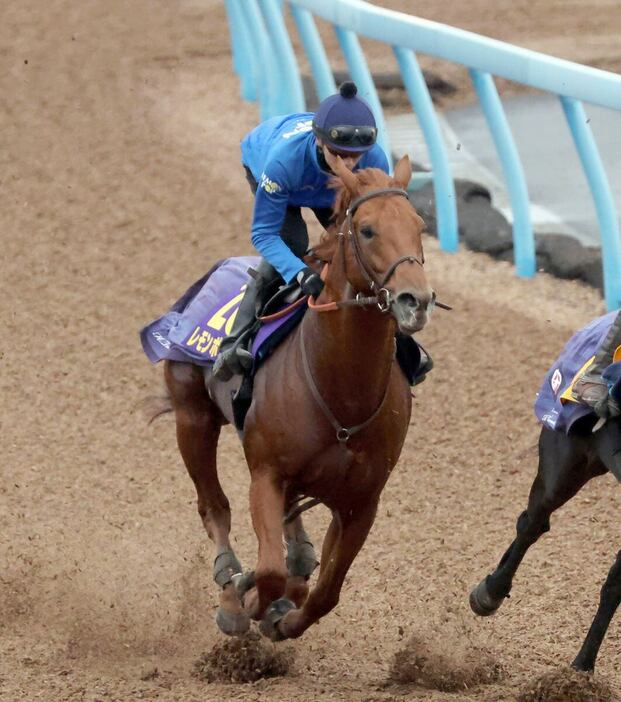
345	122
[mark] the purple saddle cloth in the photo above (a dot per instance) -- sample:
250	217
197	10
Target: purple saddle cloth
193	328
552	406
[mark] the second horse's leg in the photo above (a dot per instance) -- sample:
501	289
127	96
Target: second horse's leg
608	440
563	470
610	598
198	429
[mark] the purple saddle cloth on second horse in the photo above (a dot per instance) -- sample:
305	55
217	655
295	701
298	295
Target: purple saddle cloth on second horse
193	328
554	405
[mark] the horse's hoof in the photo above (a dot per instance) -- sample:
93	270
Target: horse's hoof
582	665
275	612
481	602
232	623
244	583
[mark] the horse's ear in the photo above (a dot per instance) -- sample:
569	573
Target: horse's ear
403	172
349	179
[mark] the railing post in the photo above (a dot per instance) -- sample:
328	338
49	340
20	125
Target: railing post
315	52
446	203
264	61
360	73
243	59
523	237
289	94
602	197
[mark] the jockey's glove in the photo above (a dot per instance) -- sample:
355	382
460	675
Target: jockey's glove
310	282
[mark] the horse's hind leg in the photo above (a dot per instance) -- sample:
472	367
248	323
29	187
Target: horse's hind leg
563	469
608	442
198	429
609	601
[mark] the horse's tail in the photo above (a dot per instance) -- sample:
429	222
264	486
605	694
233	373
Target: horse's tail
155	406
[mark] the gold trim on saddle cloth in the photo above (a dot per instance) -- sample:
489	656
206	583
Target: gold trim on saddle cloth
566	396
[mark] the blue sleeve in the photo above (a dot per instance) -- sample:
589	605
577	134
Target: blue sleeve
270	207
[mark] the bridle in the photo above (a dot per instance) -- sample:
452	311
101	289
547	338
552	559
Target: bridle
382	296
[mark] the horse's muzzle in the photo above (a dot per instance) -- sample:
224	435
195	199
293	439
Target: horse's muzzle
412	311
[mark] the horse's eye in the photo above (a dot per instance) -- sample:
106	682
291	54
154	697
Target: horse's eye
367	232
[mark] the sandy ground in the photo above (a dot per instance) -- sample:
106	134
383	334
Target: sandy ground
120	186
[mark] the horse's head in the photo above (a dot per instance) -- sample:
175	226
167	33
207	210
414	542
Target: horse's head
384	249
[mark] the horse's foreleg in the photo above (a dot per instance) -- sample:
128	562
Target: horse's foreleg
610	598
563	470
301	561
267	499
346	535
198	429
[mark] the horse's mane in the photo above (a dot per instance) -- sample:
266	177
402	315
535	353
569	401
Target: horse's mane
367	179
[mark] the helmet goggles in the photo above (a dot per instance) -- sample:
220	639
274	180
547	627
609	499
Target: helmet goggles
348	137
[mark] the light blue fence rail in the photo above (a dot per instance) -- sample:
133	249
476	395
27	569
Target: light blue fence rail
267	66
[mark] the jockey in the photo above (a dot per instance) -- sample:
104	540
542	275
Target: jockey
288	162
592	389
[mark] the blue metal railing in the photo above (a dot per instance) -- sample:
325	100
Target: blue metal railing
418	93
362	77
320	66
241	40
262	22
602	197
523	237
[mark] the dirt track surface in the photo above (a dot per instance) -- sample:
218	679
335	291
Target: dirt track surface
121	186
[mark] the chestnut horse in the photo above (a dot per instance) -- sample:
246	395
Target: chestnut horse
329	414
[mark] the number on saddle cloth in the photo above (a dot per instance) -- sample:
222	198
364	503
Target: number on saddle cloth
193	328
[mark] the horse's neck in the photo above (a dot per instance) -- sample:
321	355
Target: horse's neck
351	352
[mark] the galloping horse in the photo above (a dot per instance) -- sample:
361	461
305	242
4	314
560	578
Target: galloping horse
566	463
329	414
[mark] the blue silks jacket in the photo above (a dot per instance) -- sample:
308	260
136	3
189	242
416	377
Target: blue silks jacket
281	154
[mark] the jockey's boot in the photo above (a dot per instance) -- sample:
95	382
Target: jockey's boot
234	358
425	365
591	389
414	360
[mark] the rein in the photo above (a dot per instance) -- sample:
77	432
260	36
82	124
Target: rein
343	434
382	298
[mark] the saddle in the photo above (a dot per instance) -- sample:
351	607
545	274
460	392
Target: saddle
193	328
413	359
555	406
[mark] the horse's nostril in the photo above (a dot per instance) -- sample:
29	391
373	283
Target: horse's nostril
407	300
